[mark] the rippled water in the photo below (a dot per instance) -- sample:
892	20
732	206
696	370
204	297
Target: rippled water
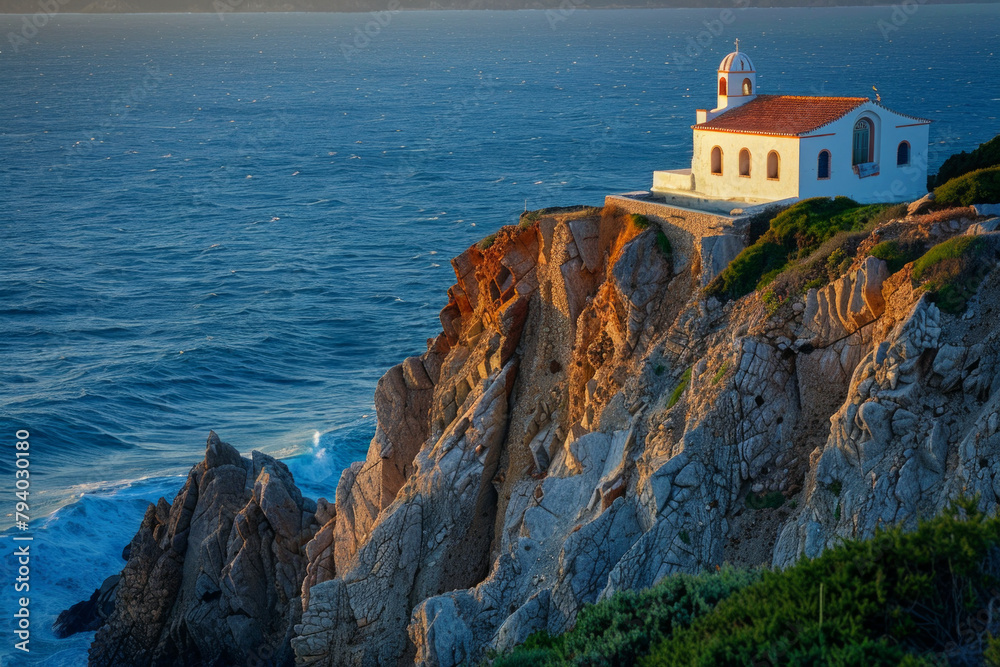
238	225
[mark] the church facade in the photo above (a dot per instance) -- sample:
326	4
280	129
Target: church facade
762	148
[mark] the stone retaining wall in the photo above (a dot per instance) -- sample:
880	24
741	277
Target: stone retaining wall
686	228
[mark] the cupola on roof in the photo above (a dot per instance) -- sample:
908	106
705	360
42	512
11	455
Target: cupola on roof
737	61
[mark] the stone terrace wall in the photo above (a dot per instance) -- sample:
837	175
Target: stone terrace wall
686	229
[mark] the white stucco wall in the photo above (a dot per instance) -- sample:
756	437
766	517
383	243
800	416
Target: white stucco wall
675	179
893	183
730	184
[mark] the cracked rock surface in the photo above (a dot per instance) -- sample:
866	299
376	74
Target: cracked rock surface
586	422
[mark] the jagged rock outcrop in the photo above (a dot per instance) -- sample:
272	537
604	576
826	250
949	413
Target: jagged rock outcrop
586	422
90	614
214	577
919	427
449	514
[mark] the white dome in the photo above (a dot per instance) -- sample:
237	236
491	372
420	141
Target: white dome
737	61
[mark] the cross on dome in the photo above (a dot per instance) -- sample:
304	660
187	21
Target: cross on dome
737	61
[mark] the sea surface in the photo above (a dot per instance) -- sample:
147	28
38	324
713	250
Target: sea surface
238	222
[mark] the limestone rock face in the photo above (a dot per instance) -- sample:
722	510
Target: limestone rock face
917	429
585	423
847	304
216	575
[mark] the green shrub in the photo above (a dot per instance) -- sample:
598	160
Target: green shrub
640	221
808	223
986	155
771	301
953	270
528	219
681	387
896	255
620	630
487	242
897	599
767	278
720	373
902	598
977	187
743	273
794	234
991	655
663	243
837	263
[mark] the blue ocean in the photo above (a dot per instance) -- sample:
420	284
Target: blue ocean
238	222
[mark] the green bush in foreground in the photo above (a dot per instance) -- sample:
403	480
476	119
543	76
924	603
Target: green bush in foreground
620	630
900	598
953	270
977	187
897	599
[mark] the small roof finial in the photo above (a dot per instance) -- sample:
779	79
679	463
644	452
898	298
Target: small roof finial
737	45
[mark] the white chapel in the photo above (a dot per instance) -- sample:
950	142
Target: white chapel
764	148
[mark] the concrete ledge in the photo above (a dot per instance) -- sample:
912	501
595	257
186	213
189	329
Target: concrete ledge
655	205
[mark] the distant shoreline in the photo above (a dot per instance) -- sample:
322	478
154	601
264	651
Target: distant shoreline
66	7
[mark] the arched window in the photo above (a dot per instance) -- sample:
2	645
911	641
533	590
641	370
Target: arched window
772	165
722	86
717	160
864	142
745	163
903	154
747	87
823	165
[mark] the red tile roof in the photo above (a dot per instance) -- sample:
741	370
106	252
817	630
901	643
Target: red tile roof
783	114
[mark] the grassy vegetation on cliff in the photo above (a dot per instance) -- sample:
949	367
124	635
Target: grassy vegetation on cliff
986	155
953	270
680	389
901	598
977	187
623	629
896	255
792	236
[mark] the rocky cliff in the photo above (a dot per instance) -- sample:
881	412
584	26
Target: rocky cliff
586	422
